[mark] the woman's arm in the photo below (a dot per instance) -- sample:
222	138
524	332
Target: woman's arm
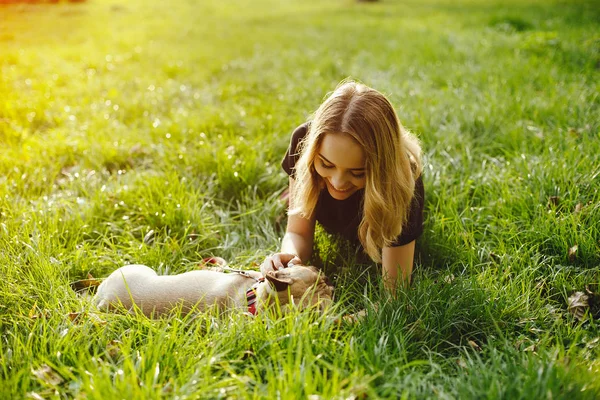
300	231
396	259
297	241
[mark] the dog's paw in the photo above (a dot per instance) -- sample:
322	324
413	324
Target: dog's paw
213	264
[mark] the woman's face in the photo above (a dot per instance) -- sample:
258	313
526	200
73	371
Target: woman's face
340	161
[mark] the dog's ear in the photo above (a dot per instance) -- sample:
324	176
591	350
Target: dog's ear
280	282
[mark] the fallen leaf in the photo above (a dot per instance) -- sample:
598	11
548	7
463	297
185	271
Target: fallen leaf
47	375
74	316
578	208
474	345
578	304
85	285
573	253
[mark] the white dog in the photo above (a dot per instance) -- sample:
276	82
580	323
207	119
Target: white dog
155	295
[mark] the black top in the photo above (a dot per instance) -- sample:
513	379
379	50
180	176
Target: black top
344	216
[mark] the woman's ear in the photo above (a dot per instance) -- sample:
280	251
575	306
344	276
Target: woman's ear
280	282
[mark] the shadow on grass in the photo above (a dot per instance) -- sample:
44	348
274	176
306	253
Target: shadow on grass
439	312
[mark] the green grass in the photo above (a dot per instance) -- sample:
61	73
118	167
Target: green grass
150	132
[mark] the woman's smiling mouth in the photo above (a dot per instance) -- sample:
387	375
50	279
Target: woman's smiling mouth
339	190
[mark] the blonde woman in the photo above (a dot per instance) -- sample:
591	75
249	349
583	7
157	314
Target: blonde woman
357	171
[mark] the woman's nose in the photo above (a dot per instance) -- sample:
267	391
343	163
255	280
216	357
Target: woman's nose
338	180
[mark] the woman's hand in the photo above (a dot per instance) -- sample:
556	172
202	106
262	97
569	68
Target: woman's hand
279	260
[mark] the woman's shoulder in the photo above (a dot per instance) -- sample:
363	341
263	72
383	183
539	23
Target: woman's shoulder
300	132
292	154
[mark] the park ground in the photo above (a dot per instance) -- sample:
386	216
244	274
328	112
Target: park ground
151	132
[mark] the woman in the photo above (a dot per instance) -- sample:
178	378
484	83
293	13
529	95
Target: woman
357	171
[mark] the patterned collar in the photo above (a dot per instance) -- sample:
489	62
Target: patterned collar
251	296
250	293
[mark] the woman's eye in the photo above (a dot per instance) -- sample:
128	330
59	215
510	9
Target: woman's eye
361	175
325	165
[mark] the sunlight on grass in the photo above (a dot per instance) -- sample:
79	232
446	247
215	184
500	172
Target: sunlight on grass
151	132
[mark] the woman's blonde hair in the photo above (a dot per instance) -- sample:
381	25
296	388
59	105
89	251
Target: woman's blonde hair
393	161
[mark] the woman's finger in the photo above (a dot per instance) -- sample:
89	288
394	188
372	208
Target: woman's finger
294	261
276	258
267	266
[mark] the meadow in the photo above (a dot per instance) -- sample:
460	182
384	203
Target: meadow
151	132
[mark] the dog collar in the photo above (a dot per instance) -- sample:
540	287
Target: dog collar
251	296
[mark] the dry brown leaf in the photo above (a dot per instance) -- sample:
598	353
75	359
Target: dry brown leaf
82	285
74	317
578	304
578	208
47	375
474	345
573	253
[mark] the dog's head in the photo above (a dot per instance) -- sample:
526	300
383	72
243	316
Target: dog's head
305	286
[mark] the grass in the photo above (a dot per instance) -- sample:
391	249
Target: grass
150	132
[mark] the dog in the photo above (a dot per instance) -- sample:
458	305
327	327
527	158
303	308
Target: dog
155	295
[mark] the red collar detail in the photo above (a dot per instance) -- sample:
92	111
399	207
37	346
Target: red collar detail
251	296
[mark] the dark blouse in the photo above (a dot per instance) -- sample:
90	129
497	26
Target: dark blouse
344	216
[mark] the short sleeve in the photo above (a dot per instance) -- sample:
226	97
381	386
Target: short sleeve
292	154
414	225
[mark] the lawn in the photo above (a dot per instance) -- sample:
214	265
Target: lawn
151	132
